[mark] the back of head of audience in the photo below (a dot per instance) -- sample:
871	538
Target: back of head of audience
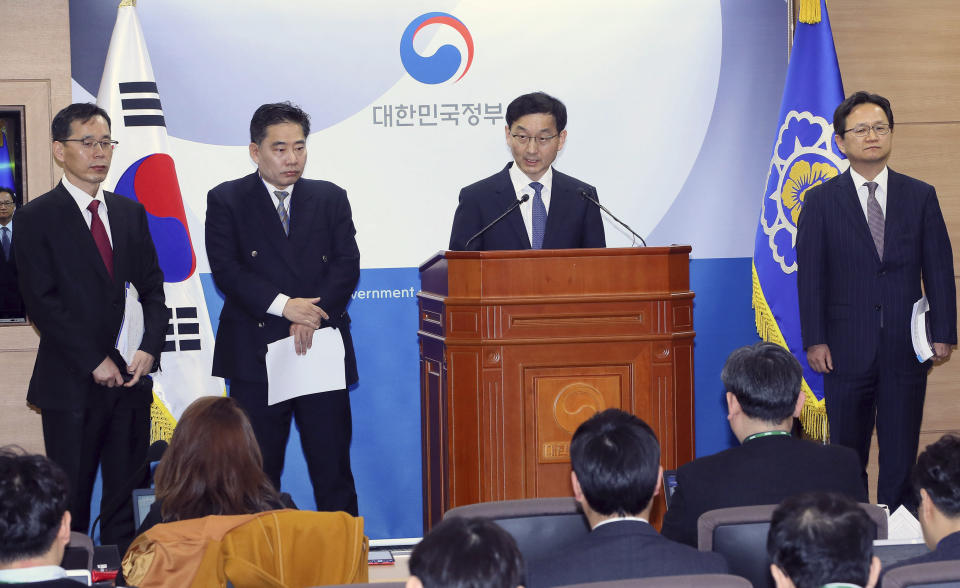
34	520
819	538
616	465
763	384
936	478
213	464
463	552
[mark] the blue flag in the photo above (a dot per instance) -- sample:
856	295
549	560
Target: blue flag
804	155
6	163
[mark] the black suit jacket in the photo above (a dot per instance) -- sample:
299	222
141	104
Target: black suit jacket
846	291
572	221
253	260
71	298
11	303
761	471
619	550
948	549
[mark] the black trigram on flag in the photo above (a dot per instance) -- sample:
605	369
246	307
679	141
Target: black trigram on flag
183	330
140	103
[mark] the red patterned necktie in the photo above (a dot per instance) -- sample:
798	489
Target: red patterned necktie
100	236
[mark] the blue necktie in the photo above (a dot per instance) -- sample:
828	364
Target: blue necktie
539	215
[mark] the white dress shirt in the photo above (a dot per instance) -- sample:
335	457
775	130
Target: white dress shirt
863	192
521	186
83	201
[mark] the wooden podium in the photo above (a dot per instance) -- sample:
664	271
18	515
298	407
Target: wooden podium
517	348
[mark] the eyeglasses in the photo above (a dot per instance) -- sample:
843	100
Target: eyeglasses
861	131
6	203
89	144
524	139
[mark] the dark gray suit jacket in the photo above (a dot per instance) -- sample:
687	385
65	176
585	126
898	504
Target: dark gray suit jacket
71	298
572	221
619	550
761	471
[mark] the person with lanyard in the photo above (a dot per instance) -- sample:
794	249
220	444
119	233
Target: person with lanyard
763	394
616	475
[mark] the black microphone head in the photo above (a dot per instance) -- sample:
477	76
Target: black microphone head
156	450
524	198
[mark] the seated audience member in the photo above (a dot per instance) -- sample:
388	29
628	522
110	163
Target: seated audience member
616	474
822	539
34	520
936	478
466	553
763	397
212	467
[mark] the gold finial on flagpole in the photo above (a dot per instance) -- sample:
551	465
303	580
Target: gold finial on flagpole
809	11
127	3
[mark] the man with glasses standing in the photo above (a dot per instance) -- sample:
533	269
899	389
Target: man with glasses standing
11	304
866	241
529	205
77	248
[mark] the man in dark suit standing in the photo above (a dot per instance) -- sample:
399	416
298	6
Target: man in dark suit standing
282	251
11	304
763	397
77	248
866	240
555	214
616	474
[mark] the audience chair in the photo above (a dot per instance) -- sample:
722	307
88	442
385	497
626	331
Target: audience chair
740	535
938	574
692	581
538	525
79	552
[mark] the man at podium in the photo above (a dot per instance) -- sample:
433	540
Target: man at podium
528	204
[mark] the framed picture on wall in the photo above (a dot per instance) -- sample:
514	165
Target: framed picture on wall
12	189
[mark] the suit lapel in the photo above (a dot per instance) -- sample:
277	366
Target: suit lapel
506	196
897	209
561	200
74	230
849	202
119	232
303	209
260	203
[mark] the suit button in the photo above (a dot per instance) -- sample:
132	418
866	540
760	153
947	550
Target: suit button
260	325
877	307
882	273
324	259
253	254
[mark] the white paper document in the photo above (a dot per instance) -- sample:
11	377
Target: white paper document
903	526
290	375
920	330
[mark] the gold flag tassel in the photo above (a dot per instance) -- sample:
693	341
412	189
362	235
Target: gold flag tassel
813	418
162	422
809	11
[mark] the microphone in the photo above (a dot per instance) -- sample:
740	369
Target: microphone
517	203
142	473
585	194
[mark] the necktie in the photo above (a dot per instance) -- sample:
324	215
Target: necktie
875	217
282	210
5	241
539	215
100	236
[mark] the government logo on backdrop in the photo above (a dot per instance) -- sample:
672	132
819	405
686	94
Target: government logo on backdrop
445	62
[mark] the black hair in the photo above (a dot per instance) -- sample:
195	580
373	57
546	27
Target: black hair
463	552
821	537
274	114
537	103
766	380
79	111
854	100
33	498
938	472
616	457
